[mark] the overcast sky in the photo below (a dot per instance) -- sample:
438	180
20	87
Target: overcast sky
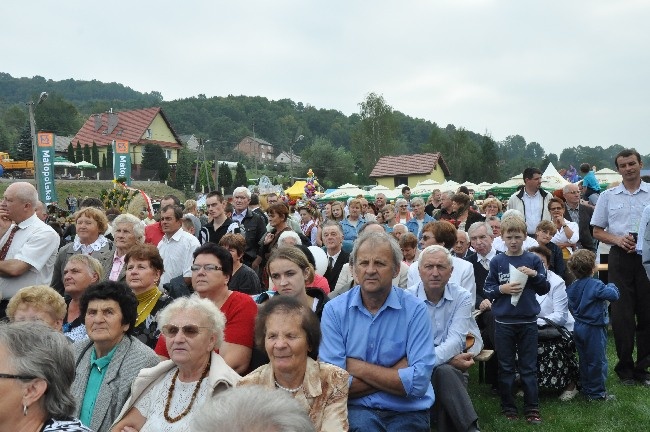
562	73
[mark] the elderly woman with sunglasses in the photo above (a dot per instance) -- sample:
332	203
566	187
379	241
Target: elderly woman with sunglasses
166	397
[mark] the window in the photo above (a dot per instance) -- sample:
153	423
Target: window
168	154
148	133
398	180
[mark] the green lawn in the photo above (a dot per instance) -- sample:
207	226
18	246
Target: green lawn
629	412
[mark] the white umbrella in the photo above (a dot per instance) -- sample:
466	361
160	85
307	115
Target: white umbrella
85	165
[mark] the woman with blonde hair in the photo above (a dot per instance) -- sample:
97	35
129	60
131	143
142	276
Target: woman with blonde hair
37	303
91	224
492	207
80	272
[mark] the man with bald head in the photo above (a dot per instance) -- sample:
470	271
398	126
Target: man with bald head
581	214
28	246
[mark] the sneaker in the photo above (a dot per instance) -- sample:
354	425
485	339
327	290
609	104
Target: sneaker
568	395
607	397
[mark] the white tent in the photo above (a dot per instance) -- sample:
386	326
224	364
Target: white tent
607	175
551	179
425	187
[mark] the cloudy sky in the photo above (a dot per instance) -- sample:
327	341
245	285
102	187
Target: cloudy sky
561	73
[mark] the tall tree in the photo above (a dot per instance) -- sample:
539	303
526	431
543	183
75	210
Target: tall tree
5	139
240	176
24	151
94	155
58	115
154	159
339	168
87	153
376	135
104	161
71	153
79	156
109	157
489	160
225	177
184	166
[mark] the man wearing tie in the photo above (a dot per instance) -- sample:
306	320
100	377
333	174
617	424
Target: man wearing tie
28	246
333	241
480	237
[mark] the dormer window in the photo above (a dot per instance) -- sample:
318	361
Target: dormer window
148	134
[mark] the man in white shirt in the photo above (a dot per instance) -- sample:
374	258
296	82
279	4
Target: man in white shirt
28	246
177	246
450	309
444	233
531	200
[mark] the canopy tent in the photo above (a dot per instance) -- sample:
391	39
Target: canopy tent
85	165
343	193
608	176
389	193
297	190
425	188
551	179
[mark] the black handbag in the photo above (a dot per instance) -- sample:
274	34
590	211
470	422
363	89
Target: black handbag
552	331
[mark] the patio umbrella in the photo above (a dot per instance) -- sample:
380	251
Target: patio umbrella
85	165
62	162
389	193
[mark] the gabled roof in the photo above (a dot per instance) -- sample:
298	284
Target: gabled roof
258	140
405	165
61	143
125	125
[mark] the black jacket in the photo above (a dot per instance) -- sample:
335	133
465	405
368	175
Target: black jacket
332	275
585	230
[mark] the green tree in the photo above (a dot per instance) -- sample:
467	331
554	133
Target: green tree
5	139
71	153
241	178
79	156
24	149
109	157
489	161
94	155
339	168
154	159
206	179
58	115
225	177
184	177
87	153
376	135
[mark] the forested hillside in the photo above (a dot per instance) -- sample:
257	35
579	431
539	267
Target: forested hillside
340	148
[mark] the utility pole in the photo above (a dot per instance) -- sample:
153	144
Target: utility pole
298	138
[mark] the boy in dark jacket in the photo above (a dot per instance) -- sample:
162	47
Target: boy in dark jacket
515	309
588	304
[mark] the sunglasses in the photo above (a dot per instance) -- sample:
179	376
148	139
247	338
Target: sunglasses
206	267
190	330
18	377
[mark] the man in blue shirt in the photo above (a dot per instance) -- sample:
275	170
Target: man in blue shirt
450	308
384	338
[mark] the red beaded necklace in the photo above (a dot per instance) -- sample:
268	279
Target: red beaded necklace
170	394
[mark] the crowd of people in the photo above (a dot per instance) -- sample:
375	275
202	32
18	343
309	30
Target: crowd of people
354	316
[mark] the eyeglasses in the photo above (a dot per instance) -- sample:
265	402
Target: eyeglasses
190	330
206	267
403	206
18	377
572	192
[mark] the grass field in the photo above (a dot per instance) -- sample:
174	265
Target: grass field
629	412
92	188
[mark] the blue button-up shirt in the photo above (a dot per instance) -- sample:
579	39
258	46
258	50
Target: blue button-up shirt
401	328
451	318
619	210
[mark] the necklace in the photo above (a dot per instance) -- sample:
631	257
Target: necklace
292	391
170	393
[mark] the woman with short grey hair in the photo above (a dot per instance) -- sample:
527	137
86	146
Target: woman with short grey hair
127	231
36	373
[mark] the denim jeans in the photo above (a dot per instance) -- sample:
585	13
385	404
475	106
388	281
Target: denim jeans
517	348
364	419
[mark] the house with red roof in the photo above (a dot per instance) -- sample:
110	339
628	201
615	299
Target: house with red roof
391	171
139	127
